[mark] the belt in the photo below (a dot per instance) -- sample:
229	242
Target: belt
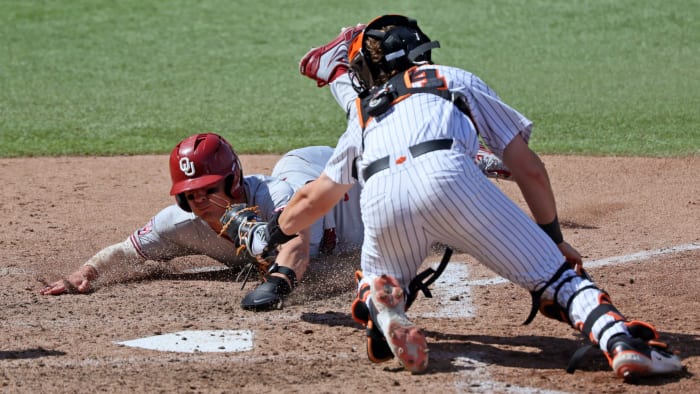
416	150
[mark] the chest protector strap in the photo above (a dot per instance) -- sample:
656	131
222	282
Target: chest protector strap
400	86
379	100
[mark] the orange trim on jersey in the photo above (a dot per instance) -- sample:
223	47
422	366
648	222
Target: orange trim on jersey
400	160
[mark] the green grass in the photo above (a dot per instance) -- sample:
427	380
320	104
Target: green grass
97	77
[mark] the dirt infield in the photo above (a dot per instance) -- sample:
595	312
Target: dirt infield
57	212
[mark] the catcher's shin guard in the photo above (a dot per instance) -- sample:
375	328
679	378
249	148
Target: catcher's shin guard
550	307
378	349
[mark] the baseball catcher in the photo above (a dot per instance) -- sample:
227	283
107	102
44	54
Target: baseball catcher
412	137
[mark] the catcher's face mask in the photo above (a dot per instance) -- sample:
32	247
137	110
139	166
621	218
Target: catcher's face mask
360	75
402	46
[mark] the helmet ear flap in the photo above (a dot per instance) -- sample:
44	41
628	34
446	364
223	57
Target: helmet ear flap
182	202
228	184
233	186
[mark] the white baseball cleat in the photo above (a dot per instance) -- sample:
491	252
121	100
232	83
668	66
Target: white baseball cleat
405	339
324	64
491	165
633	358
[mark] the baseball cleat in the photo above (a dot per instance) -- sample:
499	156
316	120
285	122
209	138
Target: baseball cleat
324	64
632	358
491	165
404	338
359	309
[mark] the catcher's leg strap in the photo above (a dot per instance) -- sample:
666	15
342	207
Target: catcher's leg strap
378	349
642	330
537	294
426	278
551	308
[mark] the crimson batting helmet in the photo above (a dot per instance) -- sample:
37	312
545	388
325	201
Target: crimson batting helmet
202	160
402	47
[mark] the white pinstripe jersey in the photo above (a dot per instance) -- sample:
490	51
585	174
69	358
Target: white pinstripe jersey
441	196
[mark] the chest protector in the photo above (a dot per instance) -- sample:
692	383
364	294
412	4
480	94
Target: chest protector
379	100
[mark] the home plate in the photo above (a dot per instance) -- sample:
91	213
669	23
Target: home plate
196	341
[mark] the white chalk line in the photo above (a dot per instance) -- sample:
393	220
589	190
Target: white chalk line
452	296
478	381
453	288
634	257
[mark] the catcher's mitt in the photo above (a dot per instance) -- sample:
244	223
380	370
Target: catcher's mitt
260	239
240	224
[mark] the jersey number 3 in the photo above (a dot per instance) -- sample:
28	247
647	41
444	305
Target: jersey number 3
429	78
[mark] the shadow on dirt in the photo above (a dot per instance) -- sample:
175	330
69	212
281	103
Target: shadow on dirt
453	352
28	353
330	319
538	352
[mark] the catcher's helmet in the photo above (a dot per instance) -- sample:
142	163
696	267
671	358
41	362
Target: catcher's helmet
202	160
402	46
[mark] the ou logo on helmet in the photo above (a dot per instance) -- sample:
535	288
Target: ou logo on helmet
187	166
